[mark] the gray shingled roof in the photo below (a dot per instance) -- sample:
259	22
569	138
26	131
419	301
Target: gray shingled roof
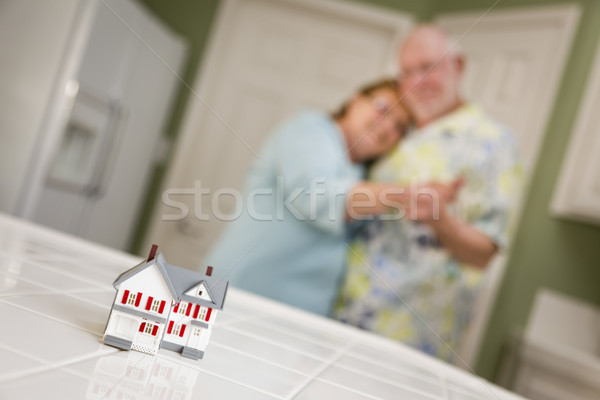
180	280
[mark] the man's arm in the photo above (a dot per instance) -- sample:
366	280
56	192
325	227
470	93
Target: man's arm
463	241
426	203
374	198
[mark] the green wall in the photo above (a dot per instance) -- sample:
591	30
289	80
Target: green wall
548	252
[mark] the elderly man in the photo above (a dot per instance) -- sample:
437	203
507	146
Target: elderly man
415	279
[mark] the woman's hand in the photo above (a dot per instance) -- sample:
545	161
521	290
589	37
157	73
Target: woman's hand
428	202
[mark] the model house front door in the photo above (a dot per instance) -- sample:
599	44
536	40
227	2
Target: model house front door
147	339
195	337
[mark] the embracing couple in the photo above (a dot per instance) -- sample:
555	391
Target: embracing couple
424	189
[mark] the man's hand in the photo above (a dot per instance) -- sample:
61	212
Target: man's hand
428	202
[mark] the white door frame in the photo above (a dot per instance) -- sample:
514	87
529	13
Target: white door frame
565	18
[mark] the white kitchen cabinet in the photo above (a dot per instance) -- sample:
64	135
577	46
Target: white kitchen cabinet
559	357
577	193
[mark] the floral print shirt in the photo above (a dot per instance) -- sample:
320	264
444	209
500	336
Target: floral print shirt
400	281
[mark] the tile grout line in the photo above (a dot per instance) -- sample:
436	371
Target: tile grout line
291	333
429	378
445	388
47	365
241	319
51	293
29	280
76	295
261	359
315	375
206	371
57	291
440	376
64	273
370	396
389	382
54	238
51	318
274	343
40	261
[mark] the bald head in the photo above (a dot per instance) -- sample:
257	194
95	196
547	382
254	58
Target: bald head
431	68
430	35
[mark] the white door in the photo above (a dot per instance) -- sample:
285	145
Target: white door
195	337
95	180
515	60
267	59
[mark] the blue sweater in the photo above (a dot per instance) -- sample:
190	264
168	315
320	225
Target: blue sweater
288	244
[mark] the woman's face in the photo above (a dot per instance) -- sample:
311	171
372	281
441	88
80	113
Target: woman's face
374	124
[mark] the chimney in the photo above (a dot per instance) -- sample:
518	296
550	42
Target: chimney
152	253
208	271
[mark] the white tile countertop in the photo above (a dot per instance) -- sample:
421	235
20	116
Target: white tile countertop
55	297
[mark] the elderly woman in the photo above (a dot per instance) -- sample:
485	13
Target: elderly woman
289	245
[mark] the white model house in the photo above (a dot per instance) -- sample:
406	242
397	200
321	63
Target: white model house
159	305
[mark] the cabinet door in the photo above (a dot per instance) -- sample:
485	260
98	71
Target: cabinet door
538	382
577	194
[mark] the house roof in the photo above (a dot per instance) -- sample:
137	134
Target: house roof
180	280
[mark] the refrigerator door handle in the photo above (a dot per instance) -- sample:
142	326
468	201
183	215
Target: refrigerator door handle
112	135
89	145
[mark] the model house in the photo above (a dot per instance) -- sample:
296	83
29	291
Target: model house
159	305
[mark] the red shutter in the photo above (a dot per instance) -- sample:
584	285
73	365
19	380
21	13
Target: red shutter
138	299
176	308
170	328
125	296
142	326
182	330
149	303
189	308
154	330
208	314
162	307
196	311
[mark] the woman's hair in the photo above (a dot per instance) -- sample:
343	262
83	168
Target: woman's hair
366	91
